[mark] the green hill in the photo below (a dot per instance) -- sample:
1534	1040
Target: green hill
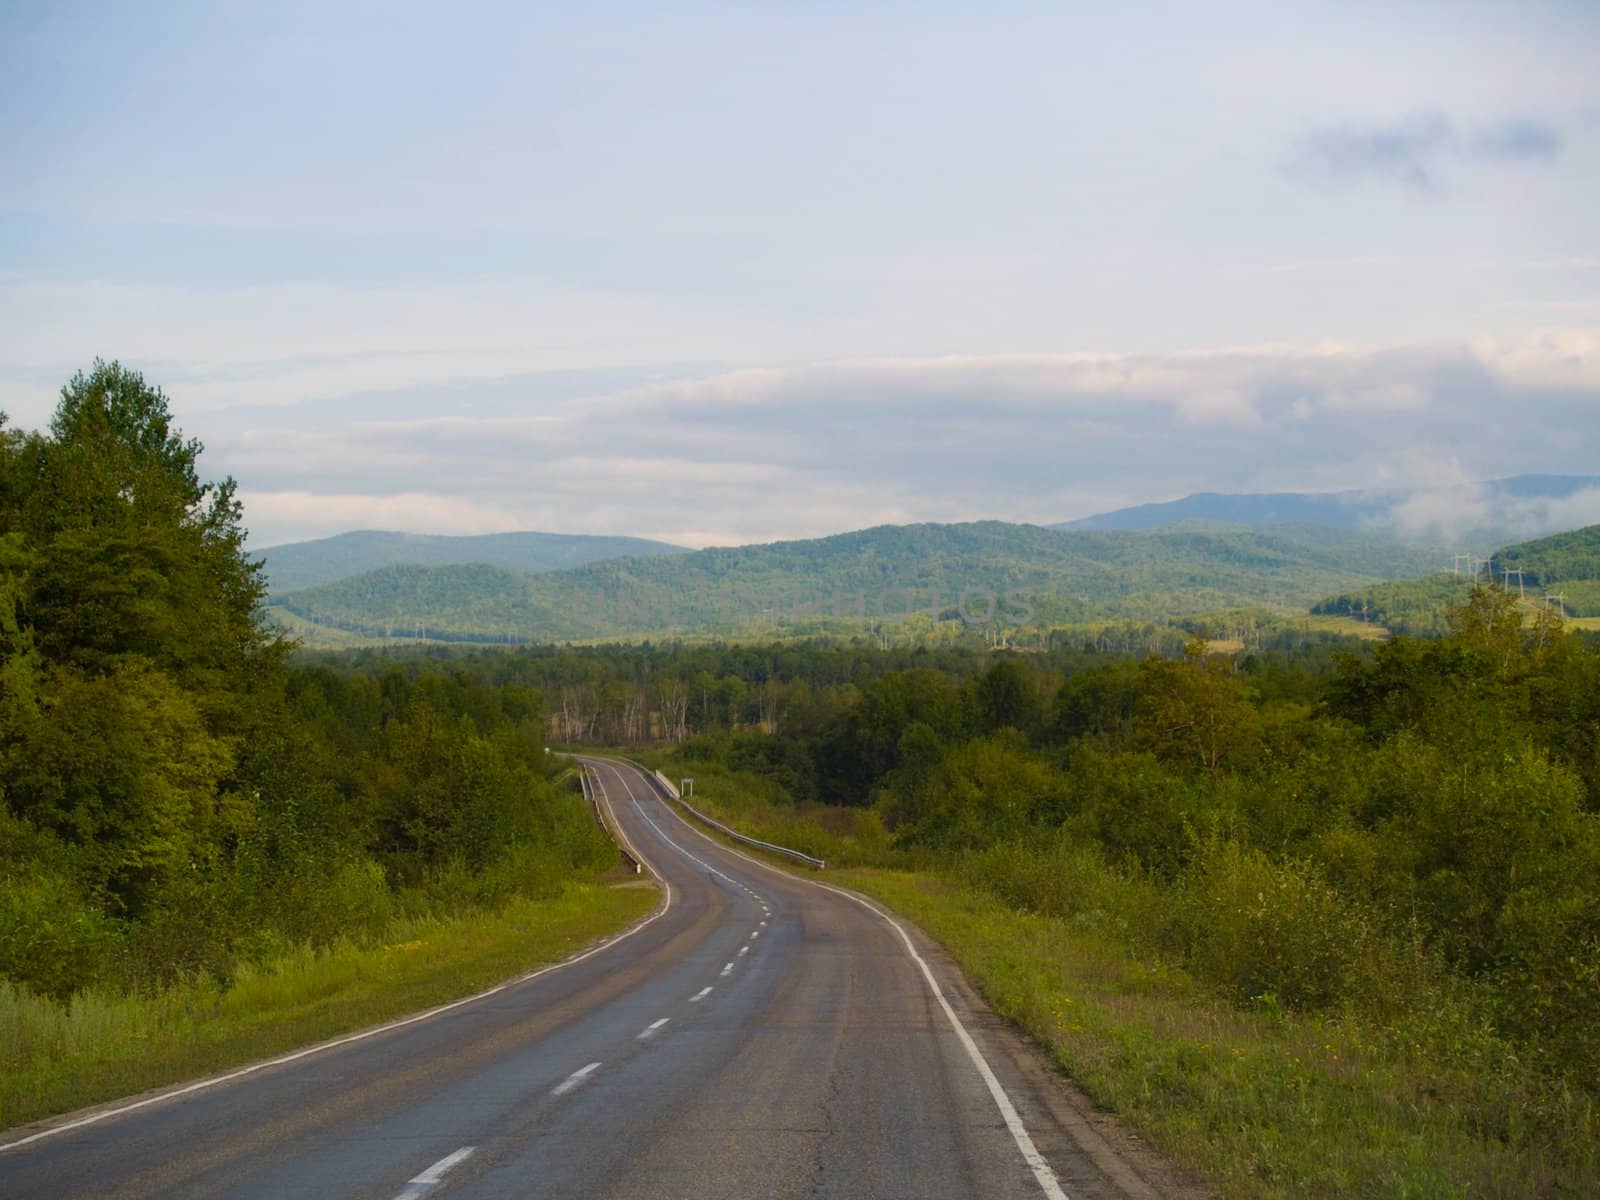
986	572
1565	563
1561	558
307	564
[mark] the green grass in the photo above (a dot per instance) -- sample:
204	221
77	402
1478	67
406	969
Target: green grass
56	1057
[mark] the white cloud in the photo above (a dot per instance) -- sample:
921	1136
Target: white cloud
1560	359
753	455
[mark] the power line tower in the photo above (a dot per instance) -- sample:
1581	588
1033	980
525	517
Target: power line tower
1455	566
1508	572
1557	601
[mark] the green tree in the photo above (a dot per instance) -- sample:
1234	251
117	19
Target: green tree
1195	711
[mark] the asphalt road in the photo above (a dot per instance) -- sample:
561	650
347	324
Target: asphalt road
758	1036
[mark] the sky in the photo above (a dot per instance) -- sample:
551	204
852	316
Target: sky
731	273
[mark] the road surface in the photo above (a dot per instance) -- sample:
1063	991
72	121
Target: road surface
758	1036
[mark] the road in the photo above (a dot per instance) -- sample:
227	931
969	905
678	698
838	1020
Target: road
759	1035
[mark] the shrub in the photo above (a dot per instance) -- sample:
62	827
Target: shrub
51	939
1274	928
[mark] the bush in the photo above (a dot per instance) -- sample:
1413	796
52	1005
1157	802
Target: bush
52	940
1264	928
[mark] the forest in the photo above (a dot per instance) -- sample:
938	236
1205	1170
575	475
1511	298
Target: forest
177	796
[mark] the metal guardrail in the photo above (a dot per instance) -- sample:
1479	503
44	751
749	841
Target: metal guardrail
591	794
664	786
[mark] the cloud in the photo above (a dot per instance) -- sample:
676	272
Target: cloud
1515	141
1456	512
1413	153
755	455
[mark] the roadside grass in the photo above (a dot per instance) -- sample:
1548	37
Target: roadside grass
1262	1103
56	1057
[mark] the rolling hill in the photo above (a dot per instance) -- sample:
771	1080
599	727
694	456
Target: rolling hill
995	572
308	564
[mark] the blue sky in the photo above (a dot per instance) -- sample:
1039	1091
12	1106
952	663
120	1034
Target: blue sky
727	273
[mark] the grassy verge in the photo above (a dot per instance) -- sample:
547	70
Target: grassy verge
57	1057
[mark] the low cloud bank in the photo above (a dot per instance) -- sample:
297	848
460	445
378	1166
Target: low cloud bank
759	454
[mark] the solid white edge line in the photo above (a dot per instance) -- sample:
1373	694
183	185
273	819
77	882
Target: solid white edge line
573	1080
347	1039
1043	1173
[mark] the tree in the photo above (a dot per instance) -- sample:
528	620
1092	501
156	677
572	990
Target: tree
1194	711
131	639
1003	698
134	555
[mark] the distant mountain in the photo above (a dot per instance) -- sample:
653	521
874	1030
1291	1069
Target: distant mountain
307	564
1497	509
982	572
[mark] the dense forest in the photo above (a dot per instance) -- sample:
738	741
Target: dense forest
175	795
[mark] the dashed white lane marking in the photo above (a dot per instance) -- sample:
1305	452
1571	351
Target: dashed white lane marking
763	924
1043	1174
700	995
755	933
573	1080
743	950
421	1185
726	968
650	1029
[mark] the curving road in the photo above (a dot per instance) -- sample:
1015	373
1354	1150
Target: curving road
759	1035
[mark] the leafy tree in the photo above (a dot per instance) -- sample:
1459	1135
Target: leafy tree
1003	698
1194	711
